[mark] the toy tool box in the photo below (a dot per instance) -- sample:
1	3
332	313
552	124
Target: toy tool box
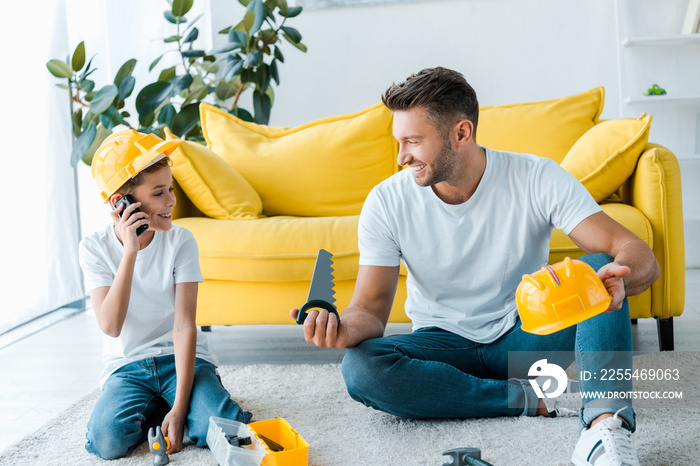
272	443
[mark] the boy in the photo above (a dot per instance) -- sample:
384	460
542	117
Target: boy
143	290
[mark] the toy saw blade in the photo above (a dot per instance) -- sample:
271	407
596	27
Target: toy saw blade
322	285
321	292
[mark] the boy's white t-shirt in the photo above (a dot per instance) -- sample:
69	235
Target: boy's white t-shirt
465	261
171	257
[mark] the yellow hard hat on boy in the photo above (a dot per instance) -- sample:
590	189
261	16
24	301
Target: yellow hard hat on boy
123	155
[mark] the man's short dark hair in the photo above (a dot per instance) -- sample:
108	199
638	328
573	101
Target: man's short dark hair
445	94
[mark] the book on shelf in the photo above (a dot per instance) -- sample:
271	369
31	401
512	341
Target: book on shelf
692	18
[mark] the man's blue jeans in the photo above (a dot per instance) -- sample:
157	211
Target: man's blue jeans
433	373
139	395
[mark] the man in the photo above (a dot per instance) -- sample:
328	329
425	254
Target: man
468	222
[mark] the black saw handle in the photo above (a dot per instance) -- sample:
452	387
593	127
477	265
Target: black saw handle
301	316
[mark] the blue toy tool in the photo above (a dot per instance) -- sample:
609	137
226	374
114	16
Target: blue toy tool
159	445
465	456
321	293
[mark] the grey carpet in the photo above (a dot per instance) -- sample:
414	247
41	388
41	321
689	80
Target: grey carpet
342	432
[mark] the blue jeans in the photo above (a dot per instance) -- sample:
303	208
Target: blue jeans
433	373
137	397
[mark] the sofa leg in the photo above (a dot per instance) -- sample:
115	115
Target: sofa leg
634	321
665	331
206	328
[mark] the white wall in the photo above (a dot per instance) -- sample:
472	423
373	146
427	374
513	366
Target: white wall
509	50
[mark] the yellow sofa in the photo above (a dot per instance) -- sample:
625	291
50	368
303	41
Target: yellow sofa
261	201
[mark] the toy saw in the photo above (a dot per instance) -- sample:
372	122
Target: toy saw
321	292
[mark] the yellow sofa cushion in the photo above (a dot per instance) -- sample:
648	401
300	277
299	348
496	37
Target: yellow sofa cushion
275	249
632	218
322	168
548	129
605	157
212	185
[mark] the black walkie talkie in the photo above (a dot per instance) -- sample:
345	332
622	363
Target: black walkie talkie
127	201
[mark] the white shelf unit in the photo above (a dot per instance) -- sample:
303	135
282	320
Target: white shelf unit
651	51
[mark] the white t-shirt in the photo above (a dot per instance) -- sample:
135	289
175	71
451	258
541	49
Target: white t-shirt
465	261
171	257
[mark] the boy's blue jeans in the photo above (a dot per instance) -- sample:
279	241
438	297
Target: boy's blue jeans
139	395
433	373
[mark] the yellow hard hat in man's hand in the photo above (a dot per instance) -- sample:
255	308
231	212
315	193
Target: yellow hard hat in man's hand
560	295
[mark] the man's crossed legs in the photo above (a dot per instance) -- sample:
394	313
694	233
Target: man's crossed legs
433	373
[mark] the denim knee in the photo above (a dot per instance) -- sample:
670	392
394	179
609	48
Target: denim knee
596	260
109	442
357	369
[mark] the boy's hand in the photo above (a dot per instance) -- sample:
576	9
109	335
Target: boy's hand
173	427
127	224
612	275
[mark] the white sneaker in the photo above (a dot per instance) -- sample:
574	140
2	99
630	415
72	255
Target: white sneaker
606	444
567	404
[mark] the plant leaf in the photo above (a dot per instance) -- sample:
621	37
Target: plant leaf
126	69
181	83
292	34
224	90
228	47
186	119
197	95
150	98
263	77
193	53
59	69
233	67
246	23
192	36
298	45
170	39
243	114
274	72
102	134
278	54
126	87
103	99
192	22
253	59
86	85
82	144
78	60
262	107
167	74
77	120
166	115
172	18
258	8
155	62
181	7
291	12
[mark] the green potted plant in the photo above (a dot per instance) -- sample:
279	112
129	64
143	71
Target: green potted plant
248	61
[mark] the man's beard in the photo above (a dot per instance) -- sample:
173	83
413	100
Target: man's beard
442	167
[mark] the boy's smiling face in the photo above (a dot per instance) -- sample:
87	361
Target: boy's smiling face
155	193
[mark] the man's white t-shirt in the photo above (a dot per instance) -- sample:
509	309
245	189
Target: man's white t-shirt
171	257
465	261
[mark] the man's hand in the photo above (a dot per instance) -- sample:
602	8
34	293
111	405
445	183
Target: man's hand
612	275
323	330
173	427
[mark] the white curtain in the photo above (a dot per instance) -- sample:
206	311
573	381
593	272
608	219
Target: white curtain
41	226
39	233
